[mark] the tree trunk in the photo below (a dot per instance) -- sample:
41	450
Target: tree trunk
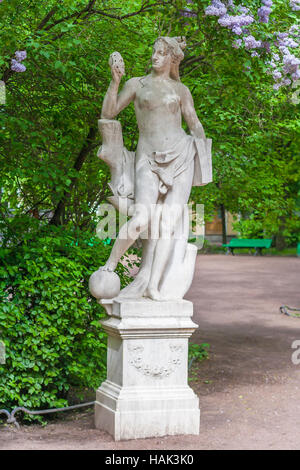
223	218
280	242
57	218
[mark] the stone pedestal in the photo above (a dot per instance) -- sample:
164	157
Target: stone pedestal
146	392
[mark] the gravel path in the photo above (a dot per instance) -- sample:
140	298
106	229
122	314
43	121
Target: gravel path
249	389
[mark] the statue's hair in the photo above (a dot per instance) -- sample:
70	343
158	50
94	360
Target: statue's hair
176	46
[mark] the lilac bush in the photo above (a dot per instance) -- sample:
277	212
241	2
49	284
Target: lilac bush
283	65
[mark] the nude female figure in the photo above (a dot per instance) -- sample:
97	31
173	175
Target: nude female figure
160	102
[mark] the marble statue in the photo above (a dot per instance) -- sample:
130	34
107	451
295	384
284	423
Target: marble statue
146	392
159	175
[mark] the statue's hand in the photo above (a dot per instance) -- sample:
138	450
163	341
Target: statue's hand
117	66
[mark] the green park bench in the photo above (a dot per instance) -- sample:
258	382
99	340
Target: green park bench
258	244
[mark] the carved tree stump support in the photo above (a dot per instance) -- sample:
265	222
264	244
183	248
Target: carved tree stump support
146	393
121	164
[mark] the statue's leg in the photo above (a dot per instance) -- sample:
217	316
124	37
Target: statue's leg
137	287
146	196
174	203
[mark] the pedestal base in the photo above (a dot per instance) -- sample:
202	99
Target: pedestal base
146	392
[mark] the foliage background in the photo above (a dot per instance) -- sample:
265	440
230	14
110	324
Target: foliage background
52	182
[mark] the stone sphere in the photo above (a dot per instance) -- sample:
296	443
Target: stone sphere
104	284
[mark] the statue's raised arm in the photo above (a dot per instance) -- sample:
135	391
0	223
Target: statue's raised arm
113	102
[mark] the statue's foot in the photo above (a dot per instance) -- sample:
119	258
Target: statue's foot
153	294
135	290
107	267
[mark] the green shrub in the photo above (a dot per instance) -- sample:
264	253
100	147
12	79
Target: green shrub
198	352
48	320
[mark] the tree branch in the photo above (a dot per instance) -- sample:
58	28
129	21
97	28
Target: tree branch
74	15
47	18
145	7
191	60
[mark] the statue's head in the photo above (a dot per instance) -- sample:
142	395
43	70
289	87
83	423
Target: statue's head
168	53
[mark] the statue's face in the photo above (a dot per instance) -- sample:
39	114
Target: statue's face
161	58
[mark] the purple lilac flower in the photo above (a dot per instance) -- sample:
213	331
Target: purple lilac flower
251	42
225	20
284	41
296	75
288	42
217	8
20	55
282	35
289	71
272	64
245	20
235	21
295	5
286	81
284	50
291	43
291	63
294	30
242	9
263	14
266	45
16	66
237	43
264	11
277	75
237	30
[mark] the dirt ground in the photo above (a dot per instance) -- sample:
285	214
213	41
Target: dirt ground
249	388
